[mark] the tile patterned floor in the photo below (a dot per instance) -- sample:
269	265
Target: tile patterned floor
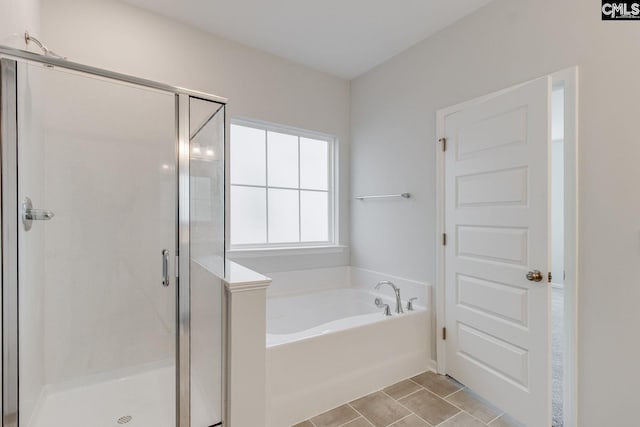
426	400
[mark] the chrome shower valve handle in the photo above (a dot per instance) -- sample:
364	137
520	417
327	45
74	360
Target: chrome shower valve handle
29	214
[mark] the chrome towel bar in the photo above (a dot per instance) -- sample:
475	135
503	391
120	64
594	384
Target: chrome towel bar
385	196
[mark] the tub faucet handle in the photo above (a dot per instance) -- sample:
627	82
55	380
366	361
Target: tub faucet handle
378	302
410	303
387	310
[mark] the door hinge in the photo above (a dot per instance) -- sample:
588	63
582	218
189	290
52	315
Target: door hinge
444	239
549	277
444	143
444	333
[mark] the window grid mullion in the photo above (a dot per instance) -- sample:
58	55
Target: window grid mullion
299	196
330	195
266	183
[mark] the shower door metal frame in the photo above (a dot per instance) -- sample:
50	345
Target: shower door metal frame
9	254
9	58
183	280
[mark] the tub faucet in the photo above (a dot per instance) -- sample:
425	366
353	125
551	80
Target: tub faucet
399	309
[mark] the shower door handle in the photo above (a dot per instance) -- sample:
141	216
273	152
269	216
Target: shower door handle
165	268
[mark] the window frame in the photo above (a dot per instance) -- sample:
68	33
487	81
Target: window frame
332	187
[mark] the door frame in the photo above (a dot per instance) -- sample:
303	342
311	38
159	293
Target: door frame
568	78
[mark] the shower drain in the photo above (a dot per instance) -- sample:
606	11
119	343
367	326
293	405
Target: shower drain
124	420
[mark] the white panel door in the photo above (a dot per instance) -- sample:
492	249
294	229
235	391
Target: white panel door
497	223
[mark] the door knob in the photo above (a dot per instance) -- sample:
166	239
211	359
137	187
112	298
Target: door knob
534	276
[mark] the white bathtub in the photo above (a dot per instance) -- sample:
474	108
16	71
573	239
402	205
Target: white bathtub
305	316
330	347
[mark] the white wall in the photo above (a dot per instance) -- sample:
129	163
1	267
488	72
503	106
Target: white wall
16	17
117	36
507	42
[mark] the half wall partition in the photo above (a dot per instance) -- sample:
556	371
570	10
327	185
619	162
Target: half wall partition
112	248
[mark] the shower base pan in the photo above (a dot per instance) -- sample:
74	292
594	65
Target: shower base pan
139	399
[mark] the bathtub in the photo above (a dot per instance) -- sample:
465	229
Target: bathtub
330	347
306	316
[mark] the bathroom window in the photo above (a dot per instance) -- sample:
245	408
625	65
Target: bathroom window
282	187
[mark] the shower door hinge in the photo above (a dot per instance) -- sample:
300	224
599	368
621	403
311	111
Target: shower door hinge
444	143
444	239
549	277
444	334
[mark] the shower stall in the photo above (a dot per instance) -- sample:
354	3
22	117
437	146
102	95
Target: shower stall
112	248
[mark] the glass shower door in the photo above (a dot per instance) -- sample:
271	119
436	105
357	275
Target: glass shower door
97	237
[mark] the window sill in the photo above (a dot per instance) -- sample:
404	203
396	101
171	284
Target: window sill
300	250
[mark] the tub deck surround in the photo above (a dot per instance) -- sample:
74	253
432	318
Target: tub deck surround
239	278
298	282
329	347
360	278
246	293
288	283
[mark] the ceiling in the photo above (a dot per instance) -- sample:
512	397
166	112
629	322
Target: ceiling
341	37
